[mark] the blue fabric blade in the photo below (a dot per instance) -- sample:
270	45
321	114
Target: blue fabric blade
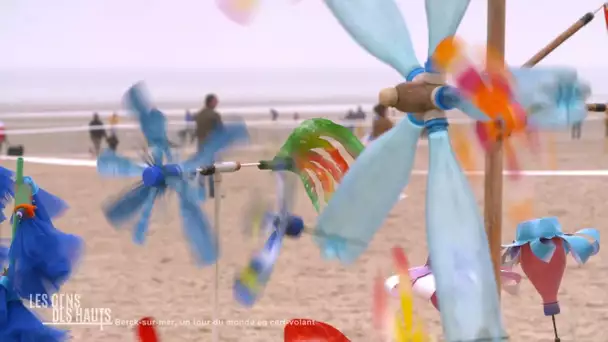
553	97
262	265
221	138
111	164
443	18
378	27
458	247
141	228
17	323
53	205
368	192
151	120
7	190
197	228
126	206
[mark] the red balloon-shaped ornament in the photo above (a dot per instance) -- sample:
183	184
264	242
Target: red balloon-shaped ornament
545	276
308	330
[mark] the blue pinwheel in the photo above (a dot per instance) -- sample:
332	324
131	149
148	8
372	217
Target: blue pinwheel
158	177
539	234
469	303
250	283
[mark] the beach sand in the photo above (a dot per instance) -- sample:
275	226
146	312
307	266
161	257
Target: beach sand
160	280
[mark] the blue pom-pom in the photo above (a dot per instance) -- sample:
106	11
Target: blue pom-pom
18	324
295	226
45	256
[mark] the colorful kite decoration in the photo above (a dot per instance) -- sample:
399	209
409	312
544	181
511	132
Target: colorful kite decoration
606	14
540	247
160	173
242	12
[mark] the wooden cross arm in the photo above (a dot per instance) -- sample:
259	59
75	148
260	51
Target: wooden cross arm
409	97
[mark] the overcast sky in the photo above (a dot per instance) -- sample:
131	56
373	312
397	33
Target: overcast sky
194	34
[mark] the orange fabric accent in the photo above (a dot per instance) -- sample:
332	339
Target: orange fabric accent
29	209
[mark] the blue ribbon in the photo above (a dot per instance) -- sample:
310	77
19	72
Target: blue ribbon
539	232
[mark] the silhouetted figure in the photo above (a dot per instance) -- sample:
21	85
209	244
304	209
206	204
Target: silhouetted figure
577	130
207	119
381	123
296	116
97	133
2	135
274	115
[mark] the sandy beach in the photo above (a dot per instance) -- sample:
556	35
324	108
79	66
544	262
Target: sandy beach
160	280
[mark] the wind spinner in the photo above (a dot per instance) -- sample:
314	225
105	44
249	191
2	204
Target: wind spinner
161	174
470	308
423	282
250	282
540	247
466	287
41	258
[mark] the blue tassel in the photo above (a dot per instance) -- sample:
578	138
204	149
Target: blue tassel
18	324
45	257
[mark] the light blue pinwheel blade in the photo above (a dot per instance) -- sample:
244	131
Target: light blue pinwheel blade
368	192
458	247
197	228
141	227
286	192
554	98
127	205
137	101
443	18
152	121
250	283
220	139
379	28
111	164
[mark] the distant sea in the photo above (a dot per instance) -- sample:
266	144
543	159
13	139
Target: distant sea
76	92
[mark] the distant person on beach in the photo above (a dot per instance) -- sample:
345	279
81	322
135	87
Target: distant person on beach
577	130
207	119
97	132
296	116
114	119
274	115
381	123
2	135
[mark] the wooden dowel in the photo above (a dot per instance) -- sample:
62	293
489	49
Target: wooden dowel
559	40
494	157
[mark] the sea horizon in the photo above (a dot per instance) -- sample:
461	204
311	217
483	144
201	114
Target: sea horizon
30	91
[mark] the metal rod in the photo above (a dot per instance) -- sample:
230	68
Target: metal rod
215	330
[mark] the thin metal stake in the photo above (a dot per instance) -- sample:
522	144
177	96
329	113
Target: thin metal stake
215	331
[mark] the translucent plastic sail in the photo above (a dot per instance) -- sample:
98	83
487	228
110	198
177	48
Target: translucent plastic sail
466	289
553	97
378	27
443	19
367	193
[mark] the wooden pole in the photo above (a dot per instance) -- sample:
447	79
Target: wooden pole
559	40
494	157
